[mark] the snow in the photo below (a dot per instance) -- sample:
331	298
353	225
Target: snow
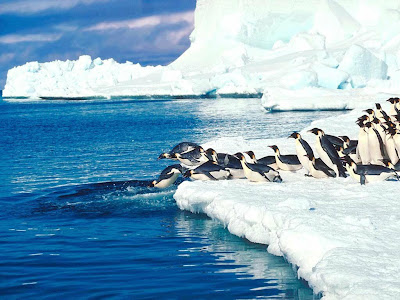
344	238
246	47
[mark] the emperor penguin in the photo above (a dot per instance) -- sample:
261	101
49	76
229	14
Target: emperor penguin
371	114
209	170
193	158
258	172
368	173
362	147
391	149
376	147
327	152
266	160
180	148
380	113
390	165
286	162
229	162
303	150
167	177
319	170
393	108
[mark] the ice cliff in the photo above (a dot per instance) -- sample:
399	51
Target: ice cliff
246	47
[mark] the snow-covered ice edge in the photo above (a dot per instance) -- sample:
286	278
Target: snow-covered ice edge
343	237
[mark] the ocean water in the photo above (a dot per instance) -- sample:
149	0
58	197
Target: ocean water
77	220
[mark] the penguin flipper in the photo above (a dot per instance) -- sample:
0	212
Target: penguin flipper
208	174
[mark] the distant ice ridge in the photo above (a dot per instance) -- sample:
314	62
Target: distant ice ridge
343	237
248	47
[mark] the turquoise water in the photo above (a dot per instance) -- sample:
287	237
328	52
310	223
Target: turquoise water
77	219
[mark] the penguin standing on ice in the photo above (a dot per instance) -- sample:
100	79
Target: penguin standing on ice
303	150
258	172
327	152
376	147
286	162
167	177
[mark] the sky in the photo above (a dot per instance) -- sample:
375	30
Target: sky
140	31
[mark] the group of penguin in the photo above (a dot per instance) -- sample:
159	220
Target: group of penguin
375	156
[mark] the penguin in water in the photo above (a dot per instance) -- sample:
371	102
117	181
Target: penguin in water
258	172
167	177
303	150
267	160
210	170
286	162
180	148
318	169
327	152
368	173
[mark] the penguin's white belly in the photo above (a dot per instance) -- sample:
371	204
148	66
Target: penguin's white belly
317	173
374	149
253	176
376	178
301	155
221	174
237	173
396	139
362	147
167	182
391	150
200	177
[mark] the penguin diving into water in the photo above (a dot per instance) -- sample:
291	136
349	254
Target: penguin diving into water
167	177
180	148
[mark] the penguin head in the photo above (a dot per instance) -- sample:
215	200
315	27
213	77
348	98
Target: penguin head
376	121
152	184
378	106
211	154
164	155
251	154
347	160
188	173
240	156
316	131
368	124
275	148
387	163
345	138
370	111
391	100
294	135
360	123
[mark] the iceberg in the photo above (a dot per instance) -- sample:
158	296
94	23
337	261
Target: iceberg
245	47
343	238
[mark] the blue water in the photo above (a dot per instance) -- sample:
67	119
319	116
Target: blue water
77	220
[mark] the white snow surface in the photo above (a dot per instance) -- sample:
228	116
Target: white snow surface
343	237
246	47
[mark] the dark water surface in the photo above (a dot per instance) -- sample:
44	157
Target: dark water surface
77	220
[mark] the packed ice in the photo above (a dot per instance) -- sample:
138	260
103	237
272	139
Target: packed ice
247	48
